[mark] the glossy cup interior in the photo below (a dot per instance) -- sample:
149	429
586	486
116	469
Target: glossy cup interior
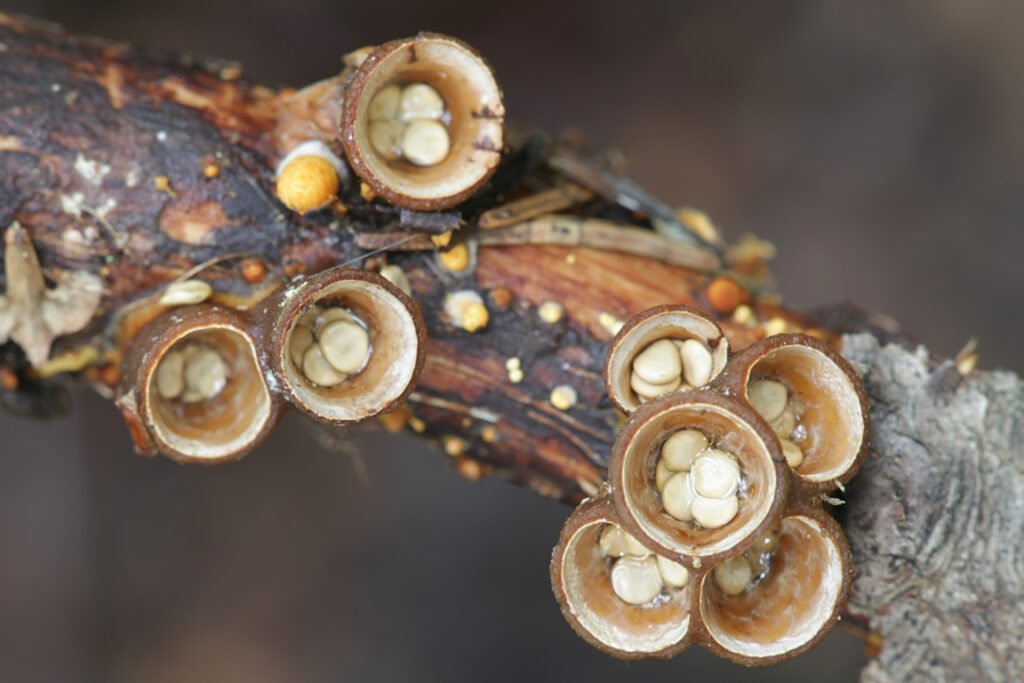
630	629
791	606
830	415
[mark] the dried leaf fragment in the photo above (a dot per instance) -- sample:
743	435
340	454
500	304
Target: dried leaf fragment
33	316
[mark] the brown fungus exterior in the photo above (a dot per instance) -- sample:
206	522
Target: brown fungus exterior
835	405
226	426
397	344
582	587
237	413
797	561
475	120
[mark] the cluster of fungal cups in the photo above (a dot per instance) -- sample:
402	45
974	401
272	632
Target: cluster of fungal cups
720	474
205	383
698	482
409	122
422	126
328	344
669	365
193	373
638	576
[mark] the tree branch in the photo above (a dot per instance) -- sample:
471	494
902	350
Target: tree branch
138	167
935	519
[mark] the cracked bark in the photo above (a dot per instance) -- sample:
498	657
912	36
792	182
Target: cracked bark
935	519
88	127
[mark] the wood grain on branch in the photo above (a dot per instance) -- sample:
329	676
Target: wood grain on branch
138	167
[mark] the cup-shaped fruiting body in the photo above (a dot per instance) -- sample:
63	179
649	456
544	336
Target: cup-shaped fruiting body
760	609
194	383
345	344
663	350
423	122
697	475
811	398
617	594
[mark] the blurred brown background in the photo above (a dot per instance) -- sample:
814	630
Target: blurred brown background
879	145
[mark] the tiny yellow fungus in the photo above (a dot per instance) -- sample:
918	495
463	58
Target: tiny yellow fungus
455	259
550	312
307	183
563	397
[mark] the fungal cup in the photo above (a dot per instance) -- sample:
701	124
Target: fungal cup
636	372
793	605
830	418
582	577
434	152
224	406
379	322
729	428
